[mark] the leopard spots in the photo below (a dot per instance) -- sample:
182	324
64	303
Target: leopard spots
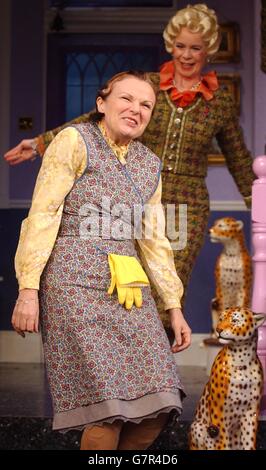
227	413
233	273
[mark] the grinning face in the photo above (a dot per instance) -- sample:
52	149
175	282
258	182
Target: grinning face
127	109
189	54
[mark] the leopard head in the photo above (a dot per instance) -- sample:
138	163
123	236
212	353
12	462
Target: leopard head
225	229
238	324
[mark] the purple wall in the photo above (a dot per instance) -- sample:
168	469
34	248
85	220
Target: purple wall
27	72
27	91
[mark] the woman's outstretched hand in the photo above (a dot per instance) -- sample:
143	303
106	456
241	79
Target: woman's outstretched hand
26	312
181	330
21	153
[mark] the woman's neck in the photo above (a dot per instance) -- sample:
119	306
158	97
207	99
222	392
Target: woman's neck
183	83
118	142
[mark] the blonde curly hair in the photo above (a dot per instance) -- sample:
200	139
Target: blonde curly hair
198	19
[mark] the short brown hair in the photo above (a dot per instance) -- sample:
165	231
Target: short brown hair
107	88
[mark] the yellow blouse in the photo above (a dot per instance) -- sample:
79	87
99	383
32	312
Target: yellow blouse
63	163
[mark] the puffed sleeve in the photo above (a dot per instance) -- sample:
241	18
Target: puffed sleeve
63	162
157	255
238	158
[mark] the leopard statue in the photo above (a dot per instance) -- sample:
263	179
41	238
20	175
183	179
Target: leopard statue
233	270
227	413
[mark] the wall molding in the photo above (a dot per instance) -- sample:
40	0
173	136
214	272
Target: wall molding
228	206
214	205
14	348
196	354
111	20
19	203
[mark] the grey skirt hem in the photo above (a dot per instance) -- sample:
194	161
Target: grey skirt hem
148	406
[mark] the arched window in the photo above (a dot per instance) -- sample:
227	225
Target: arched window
79	64
87	72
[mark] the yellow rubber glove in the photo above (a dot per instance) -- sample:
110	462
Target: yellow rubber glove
127	276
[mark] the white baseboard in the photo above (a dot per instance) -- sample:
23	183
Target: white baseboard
228	206
214	205
196	354
13	348
19	203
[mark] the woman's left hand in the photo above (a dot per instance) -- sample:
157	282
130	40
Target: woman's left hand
21	153
181	330
26	312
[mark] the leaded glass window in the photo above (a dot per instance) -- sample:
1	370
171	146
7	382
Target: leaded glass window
86	72
79	64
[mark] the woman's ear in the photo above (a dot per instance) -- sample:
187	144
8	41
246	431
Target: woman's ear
100	104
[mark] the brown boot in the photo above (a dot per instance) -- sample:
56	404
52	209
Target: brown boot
141	436
102	437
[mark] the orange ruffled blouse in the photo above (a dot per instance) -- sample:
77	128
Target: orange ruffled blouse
208	85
